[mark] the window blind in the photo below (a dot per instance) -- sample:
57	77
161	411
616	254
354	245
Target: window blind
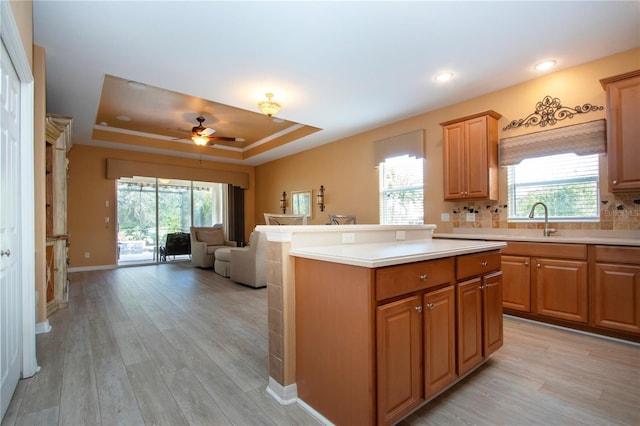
401	191
581	139
566	183
411	144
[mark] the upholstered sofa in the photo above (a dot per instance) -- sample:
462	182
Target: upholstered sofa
249	264
204	243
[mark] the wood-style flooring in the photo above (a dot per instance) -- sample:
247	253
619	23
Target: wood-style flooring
171	345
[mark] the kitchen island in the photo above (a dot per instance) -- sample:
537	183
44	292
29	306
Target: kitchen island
389	319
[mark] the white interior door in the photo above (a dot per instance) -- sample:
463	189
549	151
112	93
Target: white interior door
10	225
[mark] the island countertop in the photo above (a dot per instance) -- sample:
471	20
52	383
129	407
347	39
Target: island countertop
376	255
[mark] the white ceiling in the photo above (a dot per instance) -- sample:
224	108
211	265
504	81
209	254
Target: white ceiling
344	67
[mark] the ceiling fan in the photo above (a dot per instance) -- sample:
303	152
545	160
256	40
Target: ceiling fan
205	135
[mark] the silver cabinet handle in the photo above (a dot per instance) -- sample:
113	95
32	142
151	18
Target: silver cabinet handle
538	265
526	263
418	308
615	182
485	263
430	306
423	277
6	252
481	287
488	285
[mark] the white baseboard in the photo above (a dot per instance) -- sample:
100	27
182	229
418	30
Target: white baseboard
285	395
43	327
91	268
322	419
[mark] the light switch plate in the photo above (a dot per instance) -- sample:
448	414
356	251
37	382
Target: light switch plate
400	235
444	217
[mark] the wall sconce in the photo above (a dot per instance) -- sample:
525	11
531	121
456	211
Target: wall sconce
283	202
320	198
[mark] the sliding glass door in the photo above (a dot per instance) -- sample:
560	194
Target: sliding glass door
137	220
149	208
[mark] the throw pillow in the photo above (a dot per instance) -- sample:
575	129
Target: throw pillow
213	237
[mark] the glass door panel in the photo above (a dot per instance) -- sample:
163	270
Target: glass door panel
174	211
137	241
208	203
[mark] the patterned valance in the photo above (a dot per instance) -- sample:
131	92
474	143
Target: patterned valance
411	144
581	139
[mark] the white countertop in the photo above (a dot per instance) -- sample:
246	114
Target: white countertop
574	239
393	253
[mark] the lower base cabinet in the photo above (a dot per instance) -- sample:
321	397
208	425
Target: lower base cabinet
373	345
399	358
562	289
439	339
590	287
480	327
616	288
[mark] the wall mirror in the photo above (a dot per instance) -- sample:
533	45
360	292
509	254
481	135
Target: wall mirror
301	202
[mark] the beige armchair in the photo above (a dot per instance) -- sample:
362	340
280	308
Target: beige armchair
204	243
249	264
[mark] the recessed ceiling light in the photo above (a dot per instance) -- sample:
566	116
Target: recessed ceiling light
545	66
136	85
123	118
444	76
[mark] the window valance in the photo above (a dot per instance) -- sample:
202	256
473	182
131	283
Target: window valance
411	144
117	168
581	139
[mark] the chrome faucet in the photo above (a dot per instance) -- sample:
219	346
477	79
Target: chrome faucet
547	231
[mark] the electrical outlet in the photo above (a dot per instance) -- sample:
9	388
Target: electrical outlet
348	238
444	217
87	255
471	217
400	235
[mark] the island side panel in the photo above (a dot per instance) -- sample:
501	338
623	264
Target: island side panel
335	340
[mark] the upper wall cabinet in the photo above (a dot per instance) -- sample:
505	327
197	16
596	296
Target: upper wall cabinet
623	131
471	157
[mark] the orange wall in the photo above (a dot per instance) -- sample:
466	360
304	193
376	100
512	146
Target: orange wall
345	167
88	190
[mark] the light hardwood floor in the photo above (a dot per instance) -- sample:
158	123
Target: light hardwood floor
169	345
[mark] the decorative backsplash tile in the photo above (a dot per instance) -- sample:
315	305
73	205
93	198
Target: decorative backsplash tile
617	212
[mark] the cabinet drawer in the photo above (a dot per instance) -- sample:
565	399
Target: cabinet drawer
618	254
477	264
559	250
403	279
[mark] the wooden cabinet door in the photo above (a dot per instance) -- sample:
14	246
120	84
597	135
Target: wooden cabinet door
454	161
561	289
623	131
439	346
516	283
476	178
399	358
469	324
492	312
617	297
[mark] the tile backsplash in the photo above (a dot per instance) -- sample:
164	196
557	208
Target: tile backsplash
617	212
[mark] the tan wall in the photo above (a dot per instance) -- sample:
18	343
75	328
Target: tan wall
345	166
89	189
39	159
23	14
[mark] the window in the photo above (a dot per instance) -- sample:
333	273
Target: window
402	191
566	183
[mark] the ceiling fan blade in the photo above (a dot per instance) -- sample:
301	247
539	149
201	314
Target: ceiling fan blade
225	139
